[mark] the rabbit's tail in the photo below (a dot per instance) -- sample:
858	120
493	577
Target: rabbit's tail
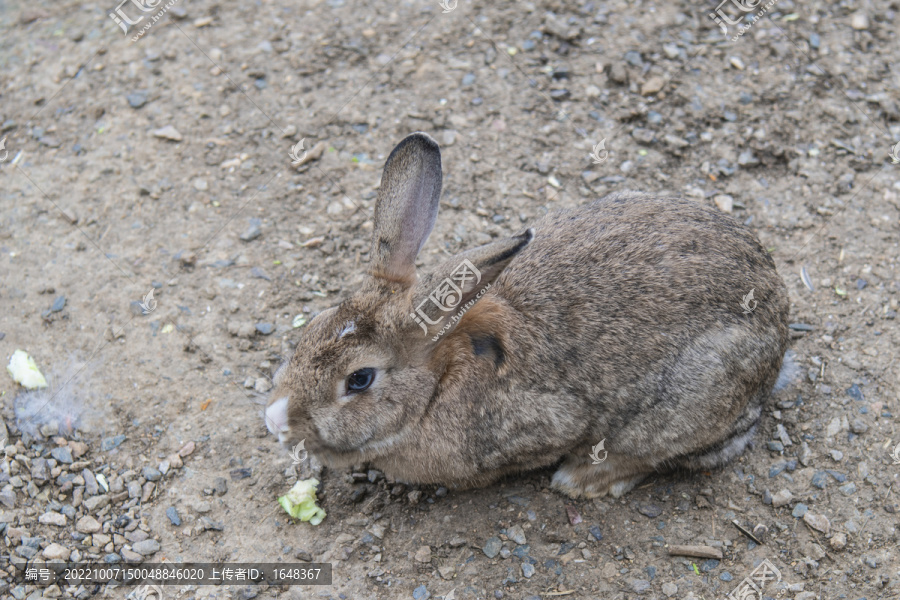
790	370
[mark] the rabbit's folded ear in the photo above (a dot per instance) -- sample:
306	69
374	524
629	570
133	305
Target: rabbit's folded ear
406	208
456	284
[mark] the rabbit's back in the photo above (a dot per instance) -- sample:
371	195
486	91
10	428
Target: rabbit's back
631	260
635	305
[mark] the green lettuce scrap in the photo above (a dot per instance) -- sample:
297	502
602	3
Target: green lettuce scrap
300	502
24	371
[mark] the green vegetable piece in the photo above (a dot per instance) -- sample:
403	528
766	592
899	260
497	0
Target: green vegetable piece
300	502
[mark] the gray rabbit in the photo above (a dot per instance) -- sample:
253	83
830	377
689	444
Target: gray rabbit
623	320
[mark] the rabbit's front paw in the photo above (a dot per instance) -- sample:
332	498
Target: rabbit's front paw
580	478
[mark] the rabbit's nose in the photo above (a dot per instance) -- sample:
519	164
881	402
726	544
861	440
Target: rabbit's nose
277	418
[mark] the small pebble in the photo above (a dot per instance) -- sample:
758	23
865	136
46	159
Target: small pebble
252	232
146	548
172	514
838	541
782	498
859	21
111	442
516	534
53	518
492	547
800	509
168	133
137	99
819	479
527	570
818	522
58	304
87	524
848	489
423	554
151	474
855	392
62	454
265	328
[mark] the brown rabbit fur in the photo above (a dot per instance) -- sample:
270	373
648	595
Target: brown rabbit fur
620	320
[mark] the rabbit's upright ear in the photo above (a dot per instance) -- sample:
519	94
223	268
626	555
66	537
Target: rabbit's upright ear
406	208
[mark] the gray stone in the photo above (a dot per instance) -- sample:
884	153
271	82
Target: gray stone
220	485
137	99
8	498
87	524
131	556
208	524
27	552
492	547
53	518
91	487
151	474
134	489
649	510
527	570
95	503
172	514
782	498
111	442
252	232
146	548
40	470
265	328
516	534
848	489
818	522
62	454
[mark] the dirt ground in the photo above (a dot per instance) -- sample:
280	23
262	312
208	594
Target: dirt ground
164	164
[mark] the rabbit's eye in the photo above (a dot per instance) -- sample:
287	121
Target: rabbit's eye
360	381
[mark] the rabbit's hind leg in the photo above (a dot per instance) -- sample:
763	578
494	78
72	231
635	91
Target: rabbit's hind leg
580	477
731	447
